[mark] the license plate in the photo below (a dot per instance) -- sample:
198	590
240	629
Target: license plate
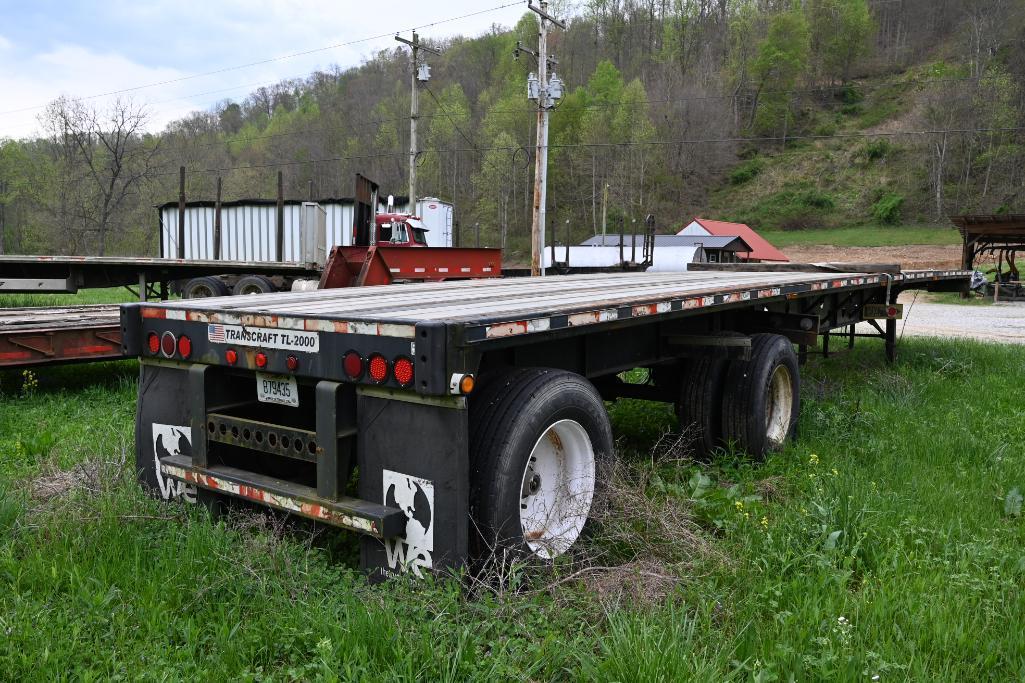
277	389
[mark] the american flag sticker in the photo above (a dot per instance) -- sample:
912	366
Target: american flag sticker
215	333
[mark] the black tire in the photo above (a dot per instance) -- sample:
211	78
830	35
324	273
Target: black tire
253	284
202	287
746	423
700	406
513	410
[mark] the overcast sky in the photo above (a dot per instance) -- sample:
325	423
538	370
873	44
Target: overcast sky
50	48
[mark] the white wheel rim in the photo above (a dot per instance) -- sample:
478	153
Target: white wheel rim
556	489
779	406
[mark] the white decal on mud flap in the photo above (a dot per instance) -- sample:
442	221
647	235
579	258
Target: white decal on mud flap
415	497
172	440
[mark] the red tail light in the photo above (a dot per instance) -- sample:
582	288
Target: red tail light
403	371
378	368
292	363
154	343
231	355
352	364
168	344
184	346
261	360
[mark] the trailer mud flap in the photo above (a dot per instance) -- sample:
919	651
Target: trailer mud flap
413	455
163	427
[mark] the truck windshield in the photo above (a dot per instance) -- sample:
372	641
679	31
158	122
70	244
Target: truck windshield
420	236
394	233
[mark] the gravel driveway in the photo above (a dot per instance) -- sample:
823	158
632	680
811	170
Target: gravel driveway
996	322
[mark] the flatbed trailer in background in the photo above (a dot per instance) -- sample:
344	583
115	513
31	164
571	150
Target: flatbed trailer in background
68	274
62	334
473	410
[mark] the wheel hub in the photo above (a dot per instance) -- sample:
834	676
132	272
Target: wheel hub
557	489
779	405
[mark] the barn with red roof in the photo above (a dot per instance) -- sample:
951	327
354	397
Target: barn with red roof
761	250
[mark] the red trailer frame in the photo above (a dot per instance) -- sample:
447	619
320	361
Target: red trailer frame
41	336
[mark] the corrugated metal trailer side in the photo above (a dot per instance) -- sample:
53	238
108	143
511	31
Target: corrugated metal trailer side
249	227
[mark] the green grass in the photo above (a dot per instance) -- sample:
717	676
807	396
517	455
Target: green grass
109	295
955	298
891	511
865	236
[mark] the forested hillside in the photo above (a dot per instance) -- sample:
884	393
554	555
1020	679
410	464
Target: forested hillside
791	115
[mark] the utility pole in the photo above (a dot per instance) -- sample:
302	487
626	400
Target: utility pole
546	92
604	211
3	215
419	72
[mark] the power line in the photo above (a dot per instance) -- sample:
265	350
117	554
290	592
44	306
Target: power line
563	108
293	55
699	98
450	117
634	143
369	122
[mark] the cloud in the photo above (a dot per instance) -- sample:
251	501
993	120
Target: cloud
88	48
31	81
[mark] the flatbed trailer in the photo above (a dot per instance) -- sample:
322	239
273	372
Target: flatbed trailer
41	336
68	274
473	411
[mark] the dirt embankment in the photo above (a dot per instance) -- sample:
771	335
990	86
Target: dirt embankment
910	257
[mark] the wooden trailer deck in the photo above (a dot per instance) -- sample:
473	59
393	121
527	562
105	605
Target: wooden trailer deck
39	336
506	307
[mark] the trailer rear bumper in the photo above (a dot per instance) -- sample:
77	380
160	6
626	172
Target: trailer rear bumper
353	514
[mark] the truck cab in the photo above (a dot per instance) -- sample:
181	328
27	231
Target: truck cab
400	230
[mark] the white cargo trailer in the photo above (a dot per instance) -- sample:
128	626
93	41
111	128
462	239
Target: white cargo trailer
249	228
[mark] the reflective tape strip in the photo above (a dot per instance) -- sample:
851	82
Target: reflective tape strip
281	502
403	331
516	327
